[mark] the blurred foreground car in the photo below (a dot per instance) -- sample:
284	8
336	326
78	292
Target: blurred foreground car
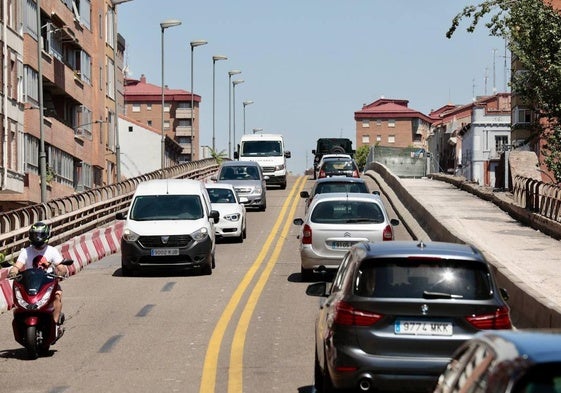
510	361
224	199
337	221
396	312
335	184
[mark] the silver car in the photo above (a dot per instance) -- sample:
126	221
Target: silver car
334	223
248	181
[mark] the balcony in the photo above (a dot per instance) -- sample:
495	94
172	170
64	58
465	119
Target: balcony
183	131
183	113
14	182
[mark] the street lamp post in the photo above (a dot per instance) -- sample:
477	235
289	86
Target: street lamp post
234	84
115	91
230	73
245	103
193	44
42	154
214	60
164	25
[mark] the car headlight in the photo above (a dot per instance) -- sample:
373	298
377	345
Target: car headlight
279	167
200	234
130	236
232	217
258	190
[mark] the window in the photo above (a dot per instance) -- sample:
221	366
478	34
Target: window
184	140
184	122
148	107
136	107
184	105
166	106
366	139
501	143
391	123
521	116
378	122
86	67
110	78
30	18
110	22
391	138
31	84
166	125
365	123
149	122
378	138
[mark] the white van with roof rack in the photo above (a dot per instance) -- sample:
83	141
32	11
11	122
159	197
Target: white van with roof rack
267	150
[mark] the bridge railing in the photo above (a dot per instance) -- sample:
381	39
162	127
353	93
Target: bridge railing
538	197
80	213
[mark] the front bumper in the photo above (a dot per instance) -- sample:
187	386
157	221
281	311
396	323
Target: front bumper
228	228
191	255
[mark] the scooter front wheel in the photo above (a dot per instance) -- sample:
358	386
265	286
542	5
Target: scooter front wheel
31	342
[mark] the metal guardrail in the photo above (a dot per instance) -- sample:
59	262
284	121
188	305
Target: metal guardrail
80	213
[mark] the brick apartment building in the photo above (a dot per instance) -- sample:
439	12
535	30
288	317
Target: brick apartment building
391	123
143	104
80	60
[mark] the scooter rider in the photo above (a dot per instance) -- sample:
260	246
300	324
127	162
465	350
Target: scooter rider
41	255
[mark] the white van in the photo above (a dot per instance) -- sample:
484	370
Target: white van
268	150
169	225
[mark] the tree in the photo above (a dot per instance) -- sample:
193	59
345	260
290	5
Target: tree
361	155
218	155
532	30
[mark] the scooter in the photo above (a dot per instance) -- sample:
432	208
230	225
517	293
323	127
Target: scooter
33	294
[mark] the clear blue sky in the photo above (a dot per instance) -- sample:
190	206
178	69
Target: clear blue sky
308	65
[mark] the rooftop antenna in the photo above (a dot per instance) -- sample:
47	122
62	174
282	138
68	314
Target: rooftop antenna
494	73
485	79
473	89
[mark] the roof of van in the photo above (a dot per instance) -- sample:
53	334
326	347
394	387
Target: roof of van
169	186
250	137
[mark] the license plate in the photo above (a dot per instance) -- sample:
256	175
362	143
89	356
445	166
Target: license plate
339	244
424	328
164	252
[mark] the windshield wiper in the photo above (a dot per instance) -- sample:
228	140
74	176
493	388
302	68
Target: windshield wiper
440	295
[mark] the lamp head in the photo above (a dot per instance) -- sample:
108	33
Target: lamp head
237	82
198	43
169	23
219	57
234	72
248	102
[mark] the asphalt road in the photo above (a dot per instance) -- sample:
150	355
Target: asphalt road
248	327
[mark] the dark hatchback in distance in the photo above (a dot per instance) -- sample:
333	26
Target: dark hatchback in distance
506	361
396	312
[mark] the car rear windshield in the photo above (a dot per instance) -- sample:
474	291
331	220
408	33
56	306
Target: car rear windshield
333	165
166	207
325	188
346	211
410	278
240	172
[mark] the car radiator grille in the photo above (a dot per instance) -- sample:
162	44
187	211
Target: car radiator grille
268	169
157	241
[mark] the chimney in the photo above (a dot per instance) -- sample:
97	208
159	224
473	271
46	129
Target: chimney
143	78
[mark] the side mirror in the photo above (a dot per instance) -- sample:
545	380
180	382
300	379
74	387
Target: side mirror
287	154
304	194
120	216
298	221
215	215
236	155
504	293
244	199
314	151
376	192
394	222
318	289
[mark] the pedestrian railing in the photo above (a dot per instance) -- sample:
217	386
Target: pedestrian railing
80	213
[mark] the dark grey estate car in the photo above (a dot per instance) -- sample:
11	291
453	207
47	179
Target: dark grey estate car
396	312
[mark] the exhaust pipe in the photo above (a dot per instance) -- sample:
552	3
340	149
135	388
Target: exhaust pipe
365	385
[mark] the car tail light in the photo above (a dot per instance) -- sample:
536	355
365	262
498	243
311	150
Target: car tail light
388	233
347	315
500	319
321	174
307	235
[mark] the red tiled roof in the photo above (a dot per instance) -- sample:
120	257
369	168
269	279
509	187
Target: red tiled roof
389	108
140	90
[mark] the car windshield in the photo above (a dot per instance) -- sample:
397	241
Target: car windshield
221	195
261	148
432	279
345	211
325	188
166	207
239	173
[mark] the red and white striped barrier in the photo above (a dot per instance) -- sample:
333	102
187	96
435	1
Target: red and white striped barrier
83	250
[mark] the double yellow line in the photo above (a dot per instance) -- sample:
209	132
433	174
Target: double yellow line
235	375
